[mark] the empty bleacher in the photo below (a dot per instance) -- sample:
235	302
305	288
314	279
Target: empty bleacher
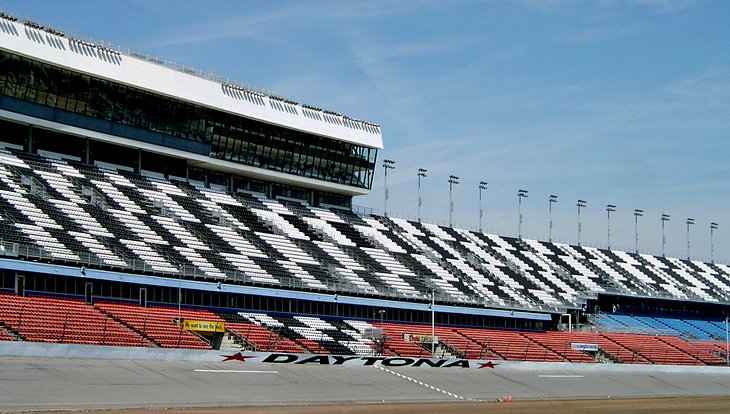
560	343
68	212
300	333
714	348
72	212
701	353
62	320
611	350
159	323
5	336
397	343
259	336
654	349
686	326
67	320
511	345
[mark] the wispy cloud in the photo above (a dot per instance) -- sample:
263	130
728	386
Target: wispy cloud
711	86
603	33
236	27
265	23
664	6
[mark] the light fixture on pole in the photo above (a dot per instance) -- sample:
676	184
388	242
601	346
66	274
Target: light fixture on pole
580	204
551	200
520	195
609	209
482	186
387	165
690	221
421	174
713	227
452	180
637	213
665	218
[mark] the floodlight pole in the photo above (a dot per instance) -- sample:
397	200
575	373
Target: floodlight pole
690	221
664	218
727	340
179	295
482	186
452	180
580	204
520	195
637	213
609	209
387	165
552	199
713	226
421	174
433	323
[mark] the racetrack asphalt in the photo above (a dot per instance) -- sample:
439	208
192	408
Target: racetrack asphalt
39	383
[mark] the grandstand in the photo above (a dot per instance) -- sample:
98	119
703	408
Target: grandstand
135	196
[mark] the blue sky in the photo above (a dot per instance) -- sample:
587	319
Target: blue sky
610	101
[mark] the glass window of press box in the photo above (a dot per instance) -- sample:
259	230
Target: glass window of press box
231	138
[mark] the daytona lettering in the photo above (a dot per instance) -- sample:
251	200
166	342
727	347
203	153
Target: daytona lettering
366	361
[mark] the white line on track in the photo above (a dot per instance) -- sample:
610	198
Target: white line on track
424	384
559	376
235	371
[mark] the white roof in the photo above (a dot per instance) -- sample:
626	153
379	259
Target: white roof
153	76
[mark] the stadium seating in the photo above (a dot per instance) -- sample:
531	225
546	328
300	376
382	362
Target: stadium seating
714	348
397	343
67	211
51	319
611	350
511	345
310	333
560	343
4	335
692	327
654	349
706	356
157	323
260	337
449	343
67	320
689	327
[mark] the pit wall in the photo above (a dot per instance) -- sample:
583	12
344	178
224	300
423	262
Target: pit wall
71	351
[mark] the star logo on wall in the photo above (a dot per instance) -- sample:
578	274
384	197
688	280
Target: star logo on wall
236	357
488	364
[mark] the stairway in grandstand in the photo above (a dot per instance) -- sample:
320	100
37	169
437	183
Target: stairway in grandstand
65	211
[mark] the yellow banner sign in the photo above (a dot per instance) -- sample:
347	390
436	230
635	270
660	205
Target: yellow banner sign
420	338
203	326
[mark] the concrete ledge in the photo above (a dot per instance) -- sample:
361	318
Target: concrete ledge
47	350
73	351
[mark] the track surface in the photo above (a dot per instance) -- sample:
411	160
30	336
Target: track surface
30	383
625	406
